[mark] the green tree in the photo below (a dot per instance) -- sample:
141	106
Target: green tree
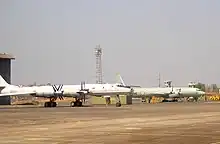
214	88
200	86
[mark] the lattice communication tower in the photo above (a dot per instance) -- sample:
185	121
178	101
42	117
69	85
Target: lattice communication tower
98	54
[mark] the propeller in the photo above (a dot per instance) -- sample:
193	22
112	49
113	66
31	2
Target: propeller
171	90
58	91
179	90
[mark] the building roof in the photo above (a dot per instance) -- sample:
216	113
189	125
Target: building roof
6	56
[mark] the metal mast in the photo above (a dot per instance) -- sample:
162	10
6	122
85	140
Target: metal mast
98	54
159	80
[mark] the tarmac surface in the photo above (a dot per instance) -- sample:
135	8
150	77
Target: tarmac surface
163	123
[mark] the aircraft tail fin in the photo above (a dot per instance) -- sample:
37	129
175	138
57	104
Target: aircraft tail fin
3	83
122	83
120	79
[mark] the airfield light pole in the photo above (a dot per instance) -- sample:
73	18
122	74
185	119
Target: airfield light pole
98	55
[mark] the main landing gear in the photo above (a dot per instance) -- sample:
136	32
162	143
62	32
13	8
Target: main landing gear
195	99
149	99
118	101
76	103
51	103
143	99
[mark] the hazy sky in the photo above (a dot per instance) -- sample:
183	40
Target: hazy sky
54	40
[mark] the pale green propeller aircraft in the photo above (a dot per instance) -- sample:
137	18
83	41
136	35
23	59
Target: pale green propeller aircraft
173	93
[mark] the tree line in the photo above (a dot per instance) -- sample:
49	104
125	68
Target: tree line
207	88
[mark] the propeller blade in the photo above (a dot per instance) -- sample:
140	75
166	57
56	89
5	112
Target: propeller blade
84	85
81	85
60	87
57	87
58	92
54	88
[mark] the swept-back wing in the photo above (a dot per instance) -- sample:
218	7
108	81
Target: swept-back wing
17	94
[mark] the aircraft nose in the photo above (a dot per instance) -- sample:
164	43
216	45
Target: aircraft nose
202	93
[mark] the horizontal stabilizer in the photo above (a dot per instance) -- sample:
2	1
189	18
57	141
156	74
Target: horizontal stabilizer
17	94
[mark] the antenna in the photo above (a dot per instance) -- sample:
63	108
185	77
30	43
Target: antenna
98	54
159	80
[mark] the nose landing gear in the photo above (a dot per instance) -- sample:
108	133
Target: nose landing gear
118	101
76	103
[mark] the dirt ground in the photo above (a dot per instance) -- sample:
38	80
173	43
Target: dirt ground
163	123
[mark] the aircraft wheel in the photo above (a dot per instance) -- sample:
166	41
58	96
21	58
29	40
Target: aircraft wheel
118	104
47	104
78	103
165	100
195	99
53	104
72	104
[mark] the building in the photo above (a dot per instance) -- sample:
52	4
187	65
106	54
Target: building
5	72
